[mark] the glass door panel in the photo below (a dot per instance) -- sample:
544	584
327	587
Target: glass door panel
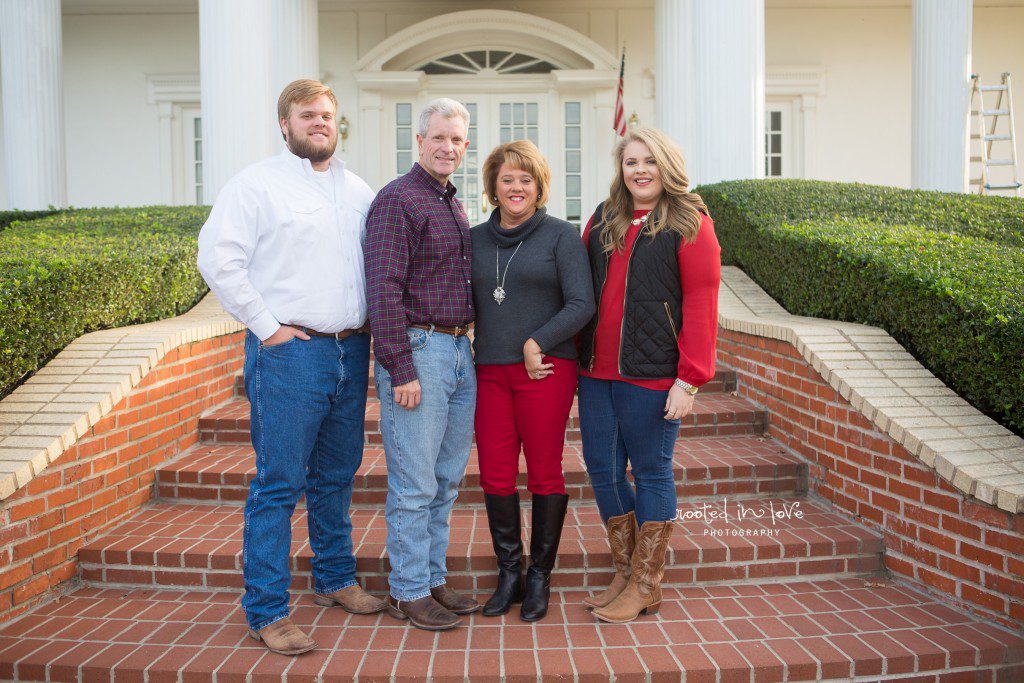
467	178
518	121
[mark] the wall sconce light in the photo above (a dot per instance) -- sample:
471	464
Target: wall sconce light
343	130
634	120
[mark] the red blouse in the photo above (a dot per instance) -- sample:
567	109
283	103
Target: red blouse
700	273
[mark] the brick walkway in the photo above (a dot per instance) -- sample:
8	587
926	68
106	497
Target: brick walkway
755	598
791	631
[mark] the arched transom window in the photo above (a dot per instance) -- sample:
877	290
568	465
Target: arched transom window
500	62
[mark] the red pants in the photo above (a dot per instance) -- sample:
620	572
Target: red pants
515	412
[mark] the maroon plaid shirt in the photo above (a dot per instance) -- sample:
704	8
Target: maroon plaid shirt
418	263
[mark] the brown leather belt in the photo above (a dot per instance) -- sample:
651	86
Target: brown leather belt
344	334
456	331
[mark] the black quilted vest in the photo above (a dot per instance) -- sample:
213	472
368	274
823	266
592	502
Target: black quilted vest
653	312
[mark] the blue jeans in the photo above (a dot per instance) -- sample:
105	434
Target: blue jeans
619	423
307	407
426	450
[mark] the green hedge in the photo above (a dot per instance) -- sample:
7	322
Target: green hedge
8	217
942	273
82	270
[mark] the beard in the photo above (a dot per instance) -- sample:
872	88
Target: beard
302	146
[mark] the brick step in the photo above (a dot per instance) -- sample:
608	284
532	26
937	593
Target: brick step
738	467
723	382
795	631
713	415
201	546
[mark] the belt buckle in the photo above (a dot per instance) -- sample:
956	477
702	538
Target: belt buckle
461	330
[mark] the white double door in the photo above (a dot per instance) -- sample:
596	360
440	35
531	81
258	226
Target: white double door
494	120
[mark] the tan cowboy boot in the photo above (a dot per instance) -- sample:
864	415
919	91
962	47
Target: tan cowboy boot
284	638
642	595
621	538
352	599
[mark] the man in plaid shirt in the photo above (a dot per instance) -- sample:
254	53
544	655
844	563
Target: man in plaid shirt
418	263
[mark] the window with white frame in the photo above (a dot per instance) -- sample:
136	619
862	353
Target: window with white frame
780	144
197	158
573	164
497	61
189	156
403	137
791	104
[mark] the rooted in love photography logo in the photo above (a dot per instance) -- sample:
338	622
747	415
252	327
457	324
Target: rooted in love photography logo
717	516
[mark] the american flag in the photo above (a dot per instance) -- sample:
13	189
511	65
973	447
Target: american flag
620	113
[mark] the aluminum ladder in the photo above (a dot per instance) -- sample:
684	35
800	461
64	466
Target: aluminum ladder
991	135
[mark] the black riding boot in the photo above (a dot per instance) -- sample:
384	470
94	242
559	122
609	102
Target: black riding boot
507	536
548	516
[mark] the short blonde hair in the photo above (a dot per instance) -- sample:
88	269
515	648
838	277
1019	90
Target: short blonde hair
302	91
522	155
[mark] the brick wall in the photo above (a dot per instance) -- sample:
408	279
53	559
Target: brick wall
934	534
108	473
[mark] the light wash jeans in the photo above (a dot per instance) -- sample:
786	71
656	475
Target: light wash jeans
426	450
619	423
307	407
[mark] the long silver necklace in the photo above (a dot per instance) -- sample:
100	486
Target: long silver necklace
499	279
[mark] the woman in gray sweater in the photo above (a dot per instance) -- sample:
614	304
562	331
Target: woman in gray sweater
532	294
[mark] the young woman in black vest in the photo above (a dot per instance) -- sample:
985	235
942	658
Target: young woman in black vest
656	265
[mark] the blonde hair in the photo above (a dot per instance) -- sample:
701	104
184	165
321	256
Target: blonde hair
678	209
522	155
300	92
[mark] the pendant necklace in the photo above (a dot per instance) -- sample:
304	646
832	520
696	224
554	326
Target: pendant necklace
499	279
642	220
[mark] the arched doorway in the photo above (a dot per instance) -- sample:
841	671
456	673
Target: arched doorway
521	76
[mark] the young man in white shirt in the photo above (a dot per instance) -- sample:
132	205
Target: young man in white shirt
282	250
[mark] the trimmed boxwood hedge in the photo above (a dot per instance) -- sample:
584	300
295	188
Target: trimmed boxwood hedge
77	271
8	217
942	273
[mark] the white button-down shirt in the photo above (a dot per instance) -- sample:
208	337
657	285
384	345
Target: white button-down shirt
279	250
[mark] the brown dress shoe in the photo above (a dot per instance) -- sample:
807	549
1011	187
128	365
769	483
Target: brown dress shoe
452	601
284	638
425	613
621	538
352	599
642	594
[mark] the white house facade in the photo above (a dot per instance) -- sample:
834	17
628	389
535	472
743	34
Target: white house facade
134	102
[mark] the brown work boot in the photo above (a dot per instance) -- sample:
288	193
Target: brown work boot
284	638
425	613
621	538
352	599
452	601
642	594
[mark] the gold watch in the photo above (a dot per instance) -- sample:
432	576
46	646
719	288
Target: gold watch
685	386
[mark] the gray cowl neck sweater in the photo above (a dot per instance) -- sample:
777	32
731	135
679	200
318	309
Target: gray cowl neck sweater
548	291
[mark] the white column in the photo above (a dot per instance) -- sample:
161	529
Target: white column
239	111
296	42
941	93
728	43
674	75
33	103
